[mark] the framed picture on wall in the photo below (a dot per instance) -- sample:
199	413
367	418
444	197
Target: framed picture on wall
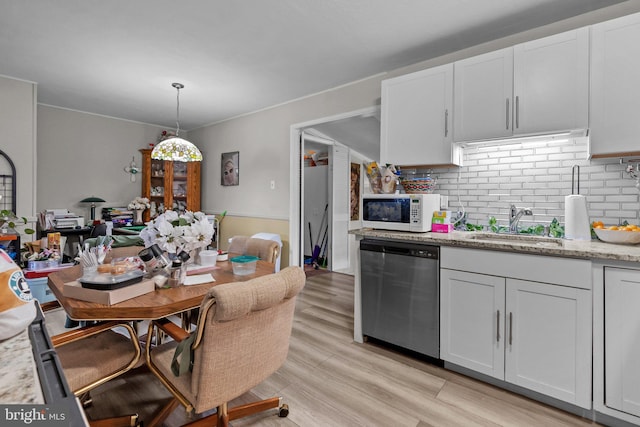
230	168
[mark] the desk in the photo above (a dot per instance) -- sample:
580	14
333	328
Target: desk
154	305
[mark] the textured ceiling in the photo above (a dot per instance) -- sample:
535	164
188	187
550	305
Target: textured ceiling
119	57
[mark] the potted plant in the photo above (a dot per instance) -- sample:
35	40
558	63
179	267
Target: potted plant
9	221
174	232
138	205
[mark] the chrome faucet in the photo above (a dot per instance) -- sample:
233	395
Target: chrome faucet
514	217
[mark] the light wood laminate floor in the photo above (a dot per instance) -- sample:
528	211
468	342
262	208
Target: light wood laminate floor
329	380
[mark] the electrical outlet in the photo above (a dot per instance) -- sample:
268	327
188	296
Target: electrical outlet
272	185
444	202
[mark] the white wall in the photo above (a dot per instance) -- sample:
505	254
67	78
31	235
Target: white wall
18	138
82	155
263	141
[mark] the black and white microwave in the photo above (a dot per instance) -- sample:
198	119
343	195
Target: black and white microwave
401	212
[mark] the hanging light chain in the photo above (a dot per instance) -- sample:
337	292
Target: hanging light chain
178	86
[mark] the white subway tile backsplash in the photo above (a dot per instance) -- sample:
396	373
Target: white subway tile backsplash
562	156
548	150
605	175
534	171
538	177
523	165
621	198
547	164
510	160
478	168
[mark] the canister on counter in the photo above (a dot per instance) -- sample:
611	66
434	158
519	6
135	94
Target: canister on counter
175	274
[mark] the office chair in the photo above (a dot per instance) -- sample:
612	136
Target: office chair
98	230
241	338
92	355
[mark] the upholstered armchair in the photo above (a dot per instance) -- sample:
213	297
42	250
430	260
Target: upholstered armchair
241	338
266	250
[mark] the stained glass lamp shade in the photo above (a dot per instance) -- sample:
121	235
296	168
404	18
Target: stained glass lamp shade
177	149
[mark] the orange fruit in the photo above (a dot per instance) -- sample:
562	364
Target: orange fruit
598	224
612	227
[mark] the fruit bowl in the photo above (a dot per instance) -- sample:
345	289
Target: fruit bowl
618	236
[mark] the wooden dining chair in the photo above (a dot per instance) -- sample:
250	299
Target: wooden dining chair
241	338
92	355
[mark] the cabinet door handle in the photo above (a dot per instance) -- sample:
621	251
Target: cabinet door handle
498	327
446	122
510	328
517	112
507	114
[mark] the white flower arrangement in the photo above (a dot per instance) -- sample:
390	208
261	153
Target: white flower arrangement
175	232
139	203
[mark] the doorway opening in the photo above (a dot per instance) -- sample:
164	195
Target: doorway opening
348	138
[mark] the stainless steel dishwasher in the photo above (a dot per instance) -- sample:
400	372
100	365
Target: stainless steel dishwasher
400	294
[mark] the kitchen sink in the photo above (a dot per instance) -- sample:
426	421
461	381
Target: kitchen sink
517	238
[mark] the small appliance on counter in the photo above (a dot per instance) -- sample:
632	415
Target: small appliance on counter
400	212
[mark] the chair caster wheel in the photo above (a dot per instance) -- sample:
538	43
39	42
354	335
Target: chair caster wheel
284	411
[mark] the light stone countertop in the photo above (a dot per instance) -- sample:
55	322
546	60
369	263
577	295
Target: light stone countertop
18	375
593	249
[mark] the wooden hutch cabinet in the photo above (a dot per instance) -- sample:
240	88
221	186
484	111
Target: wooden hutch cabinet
170	184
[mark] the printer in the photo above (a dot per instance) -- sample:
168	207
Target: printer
62	218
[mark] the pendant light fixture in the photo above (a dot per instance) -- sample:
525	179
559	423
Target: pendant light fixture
177	149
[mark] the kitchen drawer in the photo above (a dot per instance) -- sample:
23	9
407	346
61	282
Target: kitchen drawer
537	268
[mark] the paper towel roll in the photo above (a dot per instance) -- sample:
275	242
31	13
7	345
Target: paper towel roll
576	218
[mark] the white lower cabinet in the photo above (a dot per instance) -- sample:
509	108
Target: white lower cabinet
622	339
535	335
472	321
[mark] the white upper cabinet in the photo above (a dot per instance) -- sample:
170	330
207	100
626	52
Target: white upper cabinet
416	126
536	87
615	88
483	91
551	83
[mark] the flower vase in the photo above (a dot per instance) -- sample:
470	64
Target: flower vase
138	217
194	256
